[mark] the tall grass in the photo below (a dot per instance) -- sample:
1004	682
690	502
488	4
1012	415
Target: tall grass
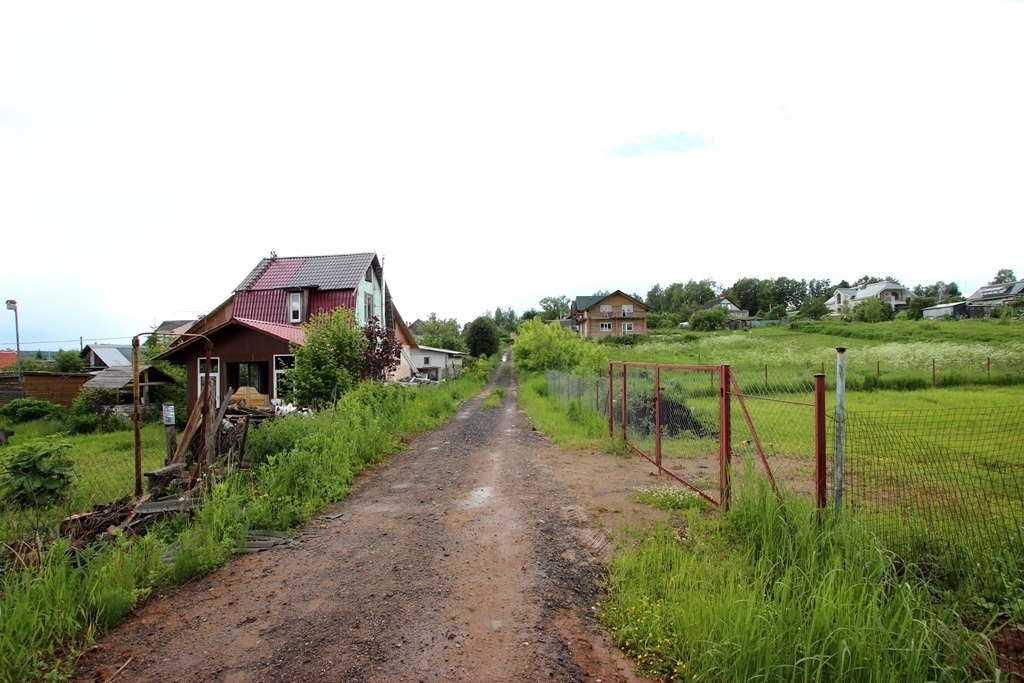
56	601
571	424
765	593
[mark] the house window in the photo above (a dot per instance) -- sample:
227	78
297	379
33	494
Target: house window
368	311
606	308
426	360
295	307
282	387
627	328
369	275
627	309
606	327
214	377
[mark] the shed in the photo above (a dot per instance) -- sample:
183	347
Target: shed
120	378
957	309
107	355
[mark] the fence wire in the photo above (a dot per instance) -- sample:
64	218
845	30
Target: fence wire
952	476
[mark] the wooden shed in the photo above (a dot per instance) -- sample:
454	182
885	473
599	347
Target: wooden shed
58	387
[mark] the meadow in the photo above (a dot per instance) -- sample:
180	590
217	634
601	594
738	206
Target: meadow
912	582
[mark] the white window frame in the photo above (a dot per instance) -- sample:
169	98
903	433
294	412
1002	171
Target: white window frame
277	373
369	310
606	308
214	375
295	307
627	328
606	327
627	308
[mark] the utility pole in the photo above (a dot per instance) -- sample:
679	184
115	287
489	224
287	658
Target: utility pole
12	305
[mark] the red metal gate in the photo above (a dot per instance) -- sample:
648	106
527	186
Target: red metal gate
679	417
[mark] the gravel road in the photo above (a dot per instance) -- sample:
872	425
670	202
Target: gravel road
476	554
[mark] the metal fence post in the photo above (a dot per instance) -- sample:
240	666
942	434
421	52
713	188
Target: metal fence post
136	417
611	400
725	442
624	434
657	417
840	425
819	439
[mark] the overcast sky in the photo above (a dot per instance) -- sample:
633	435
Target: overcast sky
496	153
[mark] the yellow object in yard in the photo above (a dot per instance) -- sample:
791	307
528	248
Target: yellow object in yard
250	396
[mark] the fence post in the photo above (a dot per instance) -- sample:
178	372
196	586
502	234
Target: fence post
989	366
725	440
611	400
136	417
840	425
624	435
657	417
819	439
933	372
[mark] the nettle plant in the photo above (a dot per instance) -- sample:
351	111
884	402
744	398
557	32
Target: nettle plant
36	474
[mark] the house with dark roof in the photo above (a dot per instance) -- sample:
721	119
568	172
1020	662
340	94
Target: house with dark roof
987	299
252	331
608	315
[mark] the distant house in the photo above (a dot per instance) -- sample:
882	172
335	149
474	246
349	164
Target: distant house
990	297
890	292
731	309
8	358
99	356
608	315
169	330
252	331
436	363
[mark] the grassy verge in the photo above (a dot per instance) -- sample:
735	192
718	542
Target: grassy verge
568	424
763	592
56	601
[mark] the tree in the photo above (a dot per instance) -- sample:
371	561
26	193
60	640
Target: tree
441	334
786	292
1004	277
872	279
68	361
383	351
872	311
819	289
750	294
917	304
332	359
483	337
815	309
555	307
530	314
708	320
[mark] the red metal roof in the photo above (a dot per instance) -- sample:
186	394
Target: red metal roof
339	271
289	333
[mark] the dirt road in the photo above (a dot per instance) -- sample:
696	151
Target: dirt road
473	555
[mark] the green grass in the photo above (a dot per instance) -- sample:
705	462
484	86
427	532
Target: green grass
765	593
493	399
671	497
568	424
56	604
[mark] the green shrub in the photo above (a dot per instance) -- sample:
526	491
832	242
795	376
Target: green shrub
93	401
540	346
36	474
27	409
708	320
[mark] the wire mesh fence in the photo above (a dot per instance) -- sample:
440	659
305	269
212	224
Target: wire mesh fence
951	479
103	468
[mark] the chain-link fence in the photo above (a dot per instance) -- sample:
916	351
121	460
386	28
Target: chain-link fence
103	467
951	479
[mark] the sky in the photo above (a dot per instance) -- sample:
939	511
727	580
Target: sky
497	153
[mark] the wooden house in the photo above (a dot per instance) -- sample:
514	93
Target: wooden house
252	331
608	315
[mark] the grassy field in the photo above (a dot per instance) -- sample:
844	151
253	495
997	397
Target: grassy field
929	554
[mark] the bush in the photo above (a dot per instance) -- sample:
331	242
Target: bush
540	346
37	474
27	409
68	361
872	311
708	320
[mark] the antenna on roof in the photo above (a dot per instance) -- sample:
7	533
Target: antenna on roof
273	254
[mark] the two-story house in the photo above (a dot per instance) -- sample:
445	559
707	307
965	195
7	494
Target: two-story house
608	315
991	297
894	294
252	331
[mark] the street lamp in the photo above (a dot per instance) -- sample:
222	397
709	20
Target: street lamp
12	305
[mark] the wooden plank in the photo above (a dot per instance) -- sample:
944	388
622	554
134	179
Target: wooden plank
194	421
213	429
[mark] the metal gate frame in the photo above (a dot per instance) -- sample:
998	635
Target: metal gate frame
728	387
